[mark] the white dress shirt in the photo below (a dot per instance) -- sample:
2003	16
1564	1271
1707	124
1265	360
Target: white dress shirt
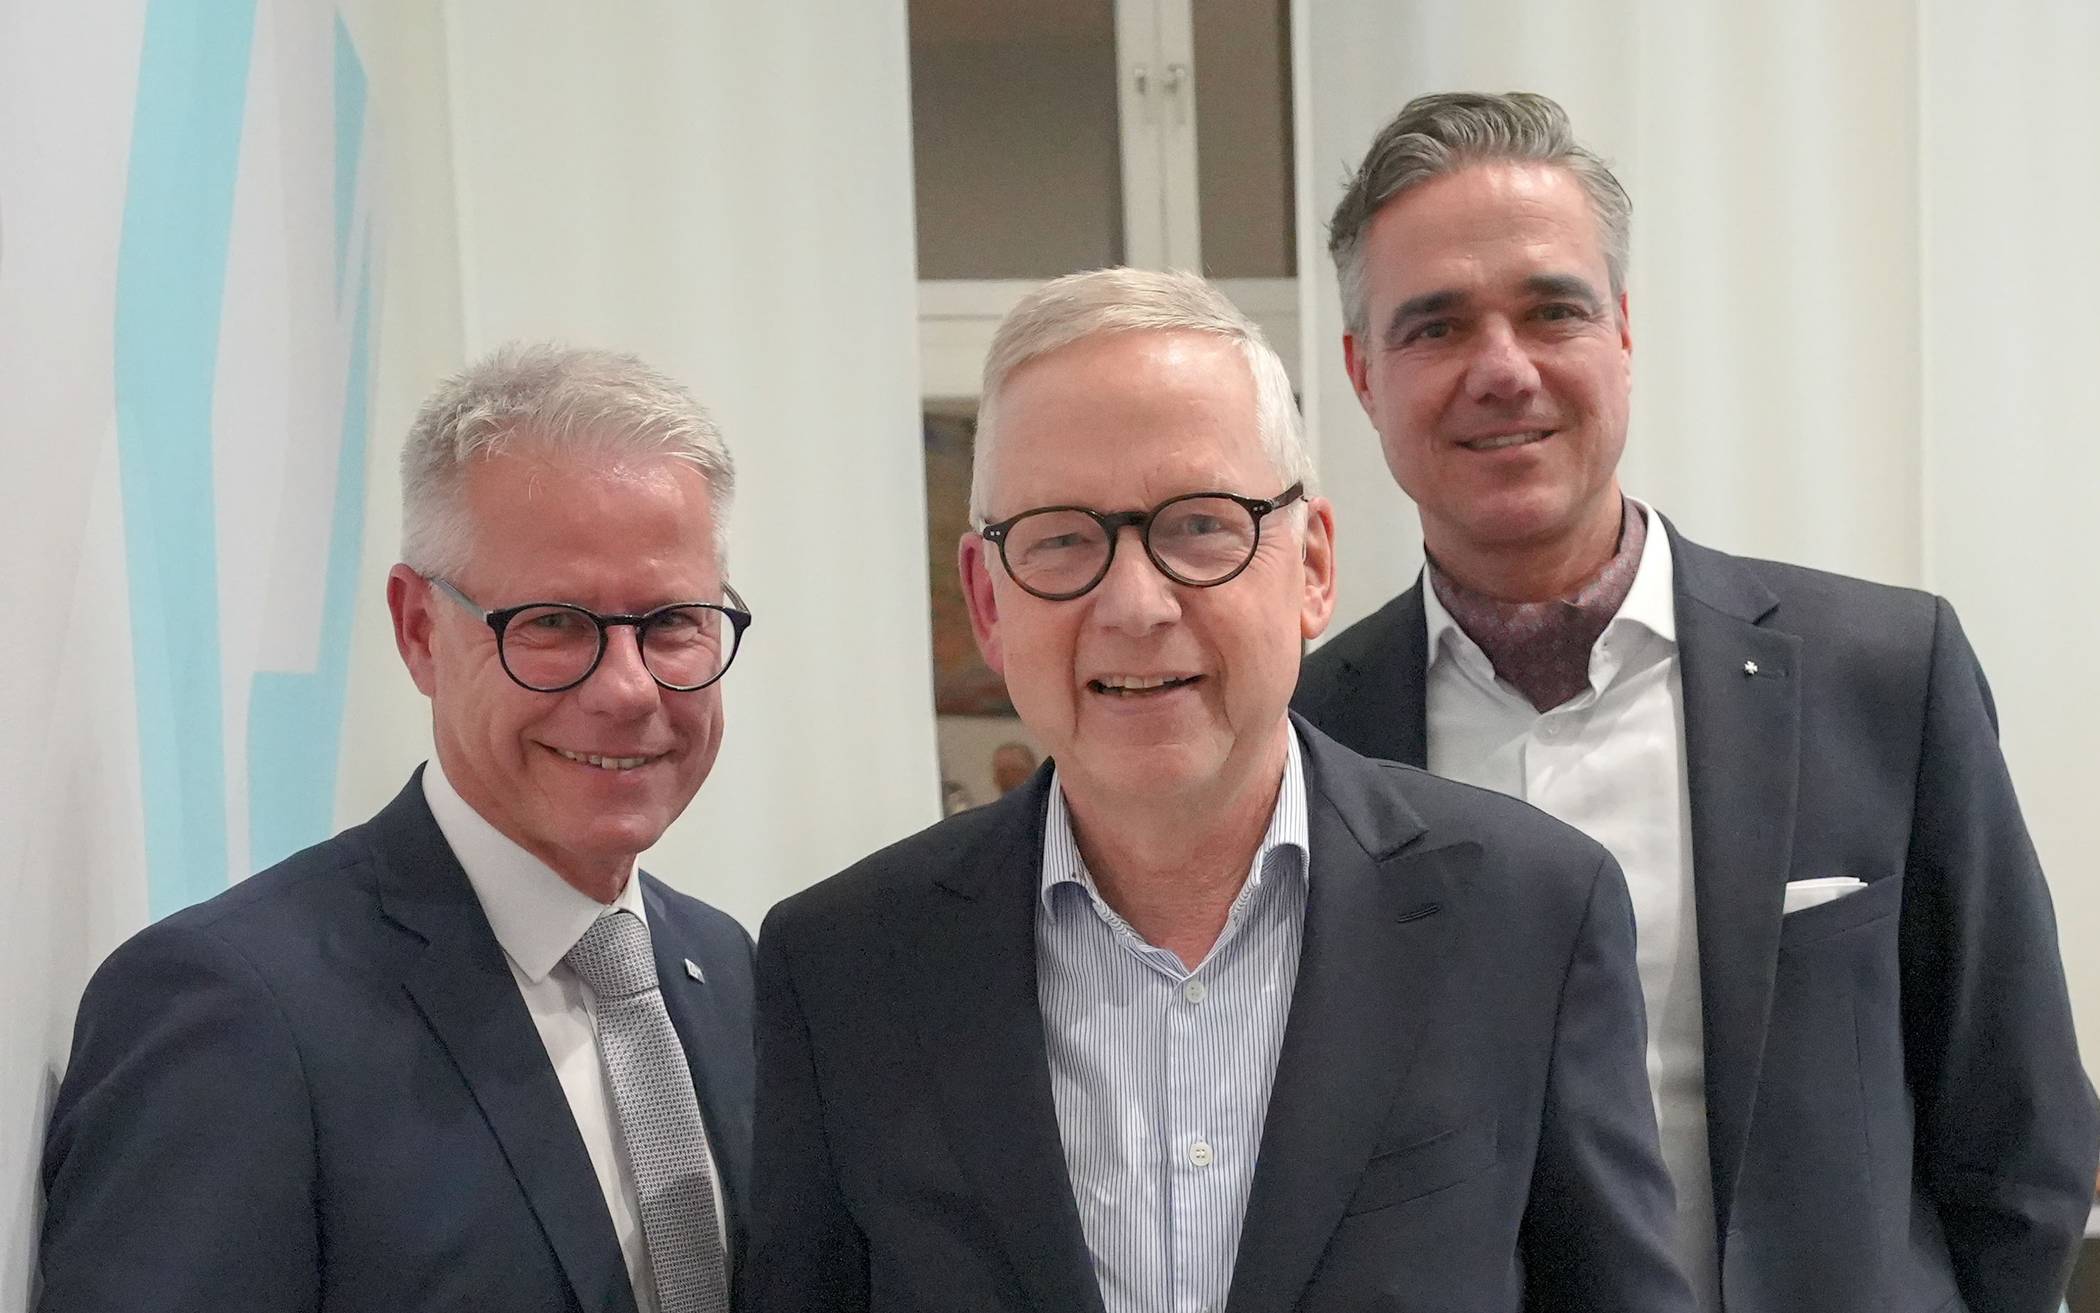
1611	763
538	917
1161	1073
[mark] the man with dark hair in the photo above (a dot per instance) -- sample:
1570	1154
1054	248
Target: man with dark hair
1860	1045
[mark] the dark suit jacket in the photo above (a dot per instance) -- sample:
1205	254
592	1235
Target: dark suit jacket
1459	1119
1897	1115
321	1090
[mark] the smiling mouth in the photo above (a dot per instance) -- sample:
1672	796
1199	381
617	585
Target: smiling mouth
1128	686
1504	441
604	763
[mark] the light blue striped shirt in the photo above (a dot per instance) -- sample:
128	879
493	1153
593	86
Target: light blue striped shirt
1162	1074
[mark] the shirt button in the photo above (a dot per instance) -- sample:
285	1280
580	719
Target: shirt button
1200	1154
1549	728
1194	991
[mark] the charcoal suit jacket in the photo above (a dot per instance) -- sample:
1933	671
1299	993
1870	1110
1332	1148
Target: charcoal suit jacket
321	1090
1459	1122
1897	1115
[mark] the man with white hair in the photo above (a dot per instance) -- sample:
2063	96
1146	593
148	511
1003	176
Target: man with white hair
464	1055
1211	1013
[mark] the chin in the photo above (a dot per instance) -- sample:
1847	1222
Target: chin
609	838
1519	518
1157	773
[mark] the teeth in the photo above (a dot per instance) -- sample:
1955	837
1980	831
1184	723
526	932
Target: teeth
604	763
1506	440
1138	683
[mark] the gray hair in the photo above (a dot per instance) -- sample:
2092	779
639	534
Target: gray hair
1441	134
549	399
1100	302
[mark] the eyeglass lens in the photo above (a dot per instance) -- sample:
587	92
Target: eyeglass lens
1198	540
552	647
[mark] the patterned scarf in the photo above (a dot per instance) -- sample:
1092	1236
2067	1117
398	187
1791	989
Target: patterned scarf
1543	648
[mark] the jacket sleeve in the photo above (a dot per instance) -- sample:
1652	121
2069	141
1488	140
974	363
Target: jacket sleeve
2007	1131
807	1253
179	1164
1596	1229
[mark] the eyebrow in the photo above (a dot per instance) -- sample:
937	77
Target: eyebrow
1566	287
1415	307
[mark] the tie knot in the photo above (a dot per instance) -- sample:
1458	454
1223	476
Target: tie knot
613	956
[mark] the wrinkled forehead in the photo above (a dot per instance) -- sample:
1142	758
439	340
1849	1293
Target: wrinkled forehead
1132	418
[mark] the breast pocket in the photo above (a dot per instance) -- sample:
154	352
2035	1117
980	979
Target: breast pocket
1426	1166
1812	925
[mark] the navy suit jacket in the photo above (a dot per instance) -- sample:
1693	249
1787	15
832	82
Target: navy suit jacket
321	1090
1897	1116
1460	1119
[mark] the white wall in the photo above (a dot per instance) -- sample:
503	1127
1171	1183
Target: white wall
2009	188
1862	341
420	339
725	190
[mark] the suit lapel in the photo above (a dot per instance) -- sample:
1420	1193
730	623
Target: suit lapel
1369	976
1381	708
969	944
466	993
1742	746
709	1035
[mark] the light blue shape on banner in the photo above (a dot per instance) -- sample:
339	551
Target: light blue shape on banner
349	139
295	721
171	279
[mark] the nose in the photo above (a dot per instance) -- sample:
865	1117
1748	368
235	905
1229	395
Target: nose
621	685
1134	597
1501	369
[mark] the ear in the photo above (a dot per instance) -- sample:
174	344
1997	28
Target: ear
1317	607
408	597
1357	358
971	561
1625	326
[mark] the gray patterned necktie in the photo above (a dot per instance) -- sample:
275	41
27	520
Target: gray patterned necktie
659	1115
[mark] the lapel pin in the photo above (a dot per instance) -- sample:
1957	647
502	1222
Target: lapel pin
692	969
1750	669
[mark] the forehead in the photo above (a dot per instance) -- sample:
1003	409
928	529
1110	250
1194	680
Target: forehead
559	519
1484	222
1129	418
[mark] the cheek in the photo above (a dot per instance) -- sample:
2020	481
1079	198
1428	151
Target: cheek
698	718
1412	408
1039	645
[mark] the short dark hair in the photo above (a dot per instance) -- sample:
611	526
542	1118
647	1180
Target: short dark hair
1443	133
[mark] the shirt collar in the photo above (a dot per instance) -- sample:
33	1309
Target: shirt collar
1287	830
1650	603
537	915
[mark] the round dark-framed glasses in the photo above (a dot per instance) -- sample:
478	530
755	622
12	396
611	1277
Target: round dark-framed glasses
549	647
1201	539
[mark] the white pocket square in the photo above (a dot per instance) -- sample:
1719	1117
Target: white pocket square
1804	894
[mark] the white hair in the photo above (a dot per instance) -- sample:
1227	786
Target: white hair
543	398
1105	301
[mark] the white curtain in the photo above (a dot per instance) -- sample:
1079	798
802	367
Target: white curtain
1863	337
724	189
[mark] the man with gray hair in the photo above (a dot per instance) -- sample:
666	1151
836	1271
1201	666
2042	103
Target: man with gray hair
464	1055
1860	1045
1211	1013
